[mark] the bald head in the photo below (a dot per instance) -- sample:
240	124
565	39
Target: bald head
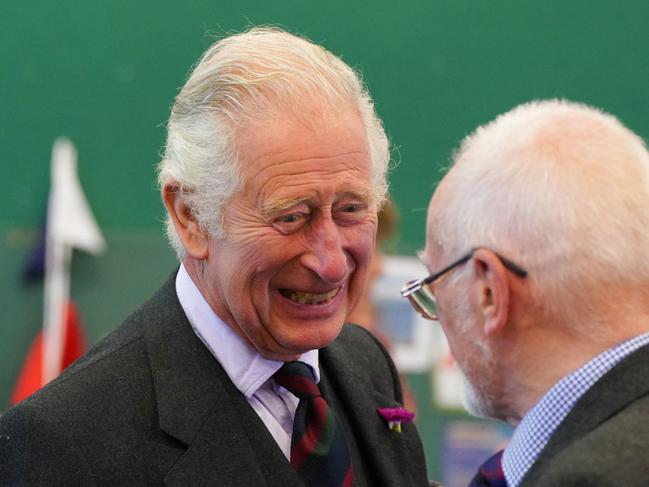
559	187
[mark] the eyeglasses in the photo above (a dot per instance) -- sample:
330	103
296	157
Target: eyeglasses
421	297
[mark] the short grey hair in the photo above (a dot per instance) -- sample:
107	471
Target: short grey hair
560	188
245	77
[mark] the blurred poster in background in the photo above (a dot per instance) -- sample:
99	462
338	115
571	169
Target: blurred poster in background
415	340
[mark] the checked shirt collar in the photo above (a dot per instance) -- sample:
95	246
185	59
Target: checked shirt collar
540	422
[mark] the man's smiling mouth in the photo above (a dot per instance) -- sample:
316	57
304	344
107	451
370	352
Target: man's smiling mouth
309	298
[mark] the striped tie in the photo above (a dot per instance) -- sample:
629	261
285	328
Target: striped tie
318	450
490	473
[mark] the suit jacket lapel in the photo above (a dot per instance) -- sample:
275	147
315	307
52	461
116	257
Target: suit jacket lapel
385	454
623	384
200	408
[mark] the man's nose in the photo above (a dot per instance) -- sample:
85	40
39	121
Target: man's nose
326	255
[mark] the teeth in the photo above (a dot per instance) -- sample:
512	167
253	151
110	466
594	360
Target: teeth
310	298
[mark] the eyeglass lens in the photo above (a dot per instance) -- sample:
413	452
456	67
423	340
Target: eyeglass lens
424	303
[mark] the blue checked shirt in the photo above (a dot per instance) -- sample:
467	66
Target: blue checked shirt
540	422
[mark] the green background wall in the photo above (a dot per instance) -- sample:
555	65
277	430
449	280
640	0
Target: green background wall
104	73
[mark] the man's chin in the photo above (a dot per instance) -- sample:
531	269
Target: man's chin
474	402
311	338
289	345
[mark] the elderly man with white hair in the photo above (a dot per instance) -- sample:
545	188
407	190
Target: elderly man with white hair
240	370
538	244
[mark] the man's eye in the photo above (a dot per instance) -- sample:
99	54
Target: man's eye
351	212
290	218
291	222
351	208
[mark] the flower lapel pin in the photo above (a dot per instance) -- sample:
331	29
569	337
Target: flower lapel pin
395	416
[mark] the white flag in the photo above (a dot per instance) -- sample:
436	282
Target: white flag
70	224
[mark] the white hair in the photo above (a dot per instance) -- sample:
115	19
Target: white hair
558	187
248	77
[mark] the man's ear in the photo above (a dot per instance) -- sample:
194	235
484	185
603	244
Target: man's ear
493	291
192	236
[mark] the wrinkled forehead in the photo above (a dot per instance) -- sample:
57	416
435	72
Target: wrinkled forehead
285	156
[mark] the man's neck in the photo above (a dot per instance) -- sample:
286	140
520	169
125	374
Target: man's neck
550	356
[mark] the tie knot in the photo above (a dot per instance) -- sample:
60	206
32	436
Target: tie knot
491	471
296	377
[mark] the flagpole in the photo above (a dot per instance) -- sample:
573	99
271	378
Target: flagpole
56	292
57	260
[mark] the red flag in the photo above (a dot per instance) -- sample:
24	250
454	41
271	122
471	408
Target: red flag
30	378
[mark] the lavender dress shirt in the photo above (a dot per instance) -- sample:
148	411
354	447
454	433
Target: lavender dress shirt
247	369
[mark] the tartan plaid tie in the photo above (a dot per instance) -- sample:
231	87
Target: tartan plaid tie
318	450
490	473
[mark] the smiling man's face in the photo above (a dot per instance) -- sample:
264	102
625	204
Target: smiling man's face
299	235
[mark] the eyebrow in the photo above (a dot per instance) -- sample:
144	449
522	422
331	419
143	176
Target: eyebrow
272	208
363	195
277	206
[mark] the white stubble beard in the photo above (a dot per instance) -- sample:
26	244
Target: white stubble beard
474	401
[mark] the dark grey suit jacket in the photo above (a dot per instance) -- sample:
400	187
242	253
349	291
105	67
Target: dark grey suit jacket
149	405
604	440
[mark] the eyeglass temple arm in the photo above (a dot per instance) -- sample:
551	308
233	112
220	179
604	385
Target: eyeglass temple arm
416	285
515	268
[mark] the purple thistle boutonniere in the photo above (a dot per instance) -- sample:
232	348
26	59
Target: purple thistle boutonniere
395	416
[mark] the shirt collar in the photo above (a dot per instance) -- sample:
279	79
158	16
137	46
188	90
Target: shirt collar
245	367
540	422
